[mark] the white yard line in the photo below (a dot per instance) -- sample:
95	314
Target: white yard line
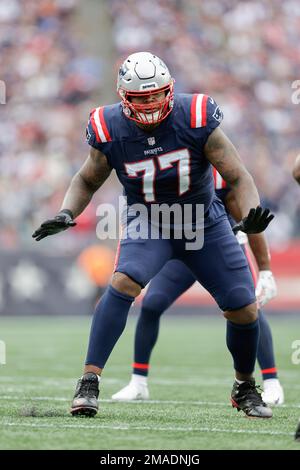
40	382
126	427
57	381
107	400
133	402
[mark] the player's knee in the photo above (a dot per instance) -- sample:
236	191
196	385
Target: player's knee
122	283
243	315
155	303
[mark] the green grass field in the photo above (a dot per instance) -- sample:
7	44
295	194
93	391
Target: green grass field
190	383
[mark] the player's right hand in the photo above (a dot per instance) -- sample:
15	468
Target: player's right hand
61	222
256	221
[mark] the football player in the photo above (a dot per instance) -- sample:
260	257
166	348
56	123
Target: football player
297	434
162	147
296	175
174	279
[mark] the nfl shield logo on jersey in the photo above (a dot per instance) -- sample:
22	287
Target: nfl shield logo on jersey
151	140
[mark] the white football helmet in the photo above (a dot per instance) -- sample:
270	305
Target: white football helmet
145	75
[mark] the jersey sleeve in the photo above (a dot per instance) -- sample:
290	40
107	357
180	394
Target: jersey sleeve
205	114
219	181
97	134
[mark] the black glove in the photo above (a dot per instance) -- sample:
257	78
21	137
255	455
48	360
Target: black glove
256	221
61	222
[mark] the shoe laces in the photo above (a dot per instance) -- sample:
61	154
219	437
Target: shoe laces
88	388
252	392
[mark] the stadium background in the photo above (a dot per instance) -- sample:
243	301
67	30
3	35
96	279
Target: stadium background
59	58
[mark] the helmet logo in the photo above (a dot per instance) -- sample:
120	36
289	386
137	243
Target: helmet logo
122	70
147	86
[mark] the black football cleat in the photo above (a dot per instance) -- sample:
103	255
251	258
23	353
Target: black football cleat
297	433
85	401
247	398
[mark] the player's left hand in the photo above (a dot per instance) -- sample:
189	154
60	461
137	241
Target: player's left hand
266	288
256	221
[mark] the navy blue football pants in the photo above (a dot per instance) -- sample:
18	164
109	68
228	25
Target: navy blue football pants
220	266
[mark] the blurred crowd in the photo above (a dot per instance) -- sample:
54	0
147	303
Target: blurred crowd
244	54
49	81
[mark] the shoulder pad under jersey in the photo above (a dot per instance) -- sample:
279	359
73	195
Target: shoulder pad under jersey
97	133
205	112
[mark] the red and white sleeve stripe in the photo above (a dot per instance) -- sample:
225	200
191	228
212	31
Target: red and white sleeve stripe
220	183
99	125
198	110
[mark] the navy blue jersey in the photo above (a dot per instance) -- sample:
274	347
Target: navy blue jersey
166	165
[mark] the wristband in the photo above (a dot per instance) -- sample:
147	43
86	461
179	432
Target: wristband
68	212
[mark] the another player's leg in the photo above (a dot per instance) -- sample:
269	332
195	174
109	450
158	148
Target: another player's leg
174	279
273	392
221	267
297	433
138	262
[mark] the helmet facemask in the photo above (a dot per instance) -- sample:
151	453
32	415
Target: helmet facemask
151	112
